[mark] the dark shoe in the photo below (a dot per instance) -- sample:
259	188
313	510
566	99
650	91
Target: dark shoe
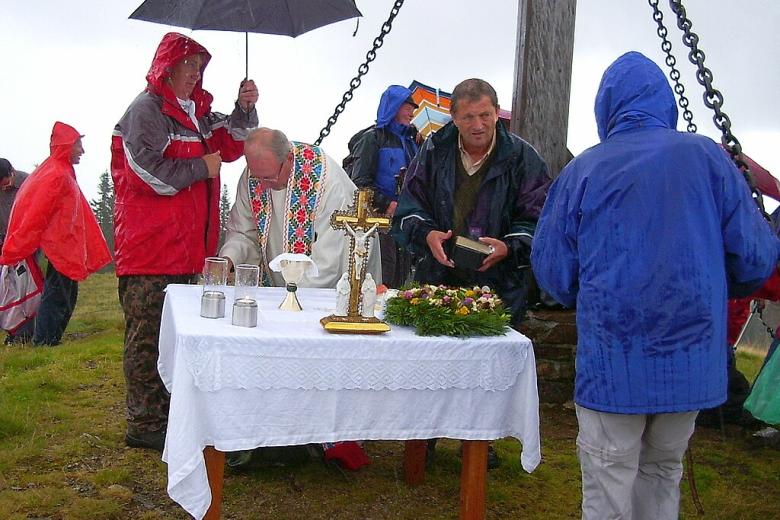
150	440
768	437
494	460
238	459
430	453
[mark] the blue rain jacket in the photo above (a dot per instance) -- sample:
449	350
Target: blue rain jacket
648	233
385	149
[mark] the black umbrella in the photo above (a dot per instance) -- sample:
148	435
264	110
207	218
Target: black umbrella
284	17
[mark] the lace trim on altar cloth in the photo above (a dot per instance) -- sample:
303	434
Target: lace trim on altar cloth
215	369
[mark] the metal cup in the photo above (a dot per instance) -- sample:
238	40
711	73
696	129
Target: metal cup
245	313
212	304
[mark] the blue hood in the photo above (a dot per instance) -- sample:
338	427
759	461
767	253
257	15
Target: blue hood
634	93
391	101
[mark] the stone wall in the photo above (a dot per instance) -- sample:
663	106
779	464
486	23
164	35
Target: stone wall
554	334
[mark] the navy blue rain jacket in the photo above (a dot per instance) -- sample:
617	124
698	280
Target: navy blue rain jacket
385	149
508	204
649	232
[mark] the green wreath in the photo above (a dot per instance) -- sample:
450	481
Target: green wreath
448	311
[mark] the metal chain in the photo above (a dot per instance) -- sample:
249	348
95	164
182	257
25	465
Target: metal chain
713	99
362	70
671	62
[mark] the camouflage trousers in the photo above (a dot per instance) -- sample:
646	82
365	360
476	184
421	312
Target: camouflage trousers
142	299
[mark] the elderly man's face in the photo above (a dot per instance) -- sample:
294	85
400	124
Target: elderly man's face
264	165
405	114
76	152
185	74
476	122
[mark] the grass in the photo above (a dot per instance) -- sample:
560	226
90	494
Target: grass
62	454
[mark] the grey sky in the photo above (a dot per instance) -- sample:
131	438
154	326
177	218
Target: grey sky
83	61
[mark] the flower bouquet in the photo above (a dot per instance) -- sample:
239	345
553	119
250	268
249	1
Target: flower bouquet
438	310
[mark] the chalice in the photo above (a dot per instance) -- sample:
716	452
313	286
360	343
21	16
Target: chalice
293	266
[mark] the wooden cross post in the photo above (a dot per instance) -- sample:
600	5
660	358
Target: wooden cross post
361	223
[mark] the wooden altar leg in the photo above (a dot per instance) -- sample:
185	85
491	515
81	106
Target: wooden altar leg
215	468
473	480
414	462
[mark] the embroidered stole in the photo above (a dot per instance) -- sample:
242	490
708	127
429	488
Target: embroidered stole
303	195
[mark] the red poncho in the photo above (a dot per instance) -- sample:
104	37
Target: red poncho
51	213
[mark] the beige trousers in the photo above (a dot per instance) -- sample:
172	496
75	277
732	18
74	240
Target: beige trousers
632	464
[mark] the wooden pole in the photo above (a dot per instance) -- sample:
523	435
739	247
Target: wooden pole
540	104
414	462
215	470
473	480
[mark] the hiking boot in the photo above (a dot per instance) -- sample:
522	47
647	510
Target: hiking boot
238	459
149	440
430	453
493	460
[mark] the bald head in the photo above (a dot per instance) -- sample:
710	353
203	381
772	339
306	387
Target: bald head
267	140
268	155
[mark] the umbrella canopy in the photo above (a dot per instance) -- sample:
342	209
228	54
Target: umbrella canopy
284	17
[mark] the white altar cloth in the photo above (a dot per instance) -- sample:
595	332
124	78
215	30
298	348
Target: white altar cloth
288	382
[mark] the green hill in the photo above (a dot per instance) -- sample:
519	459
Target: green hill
62	454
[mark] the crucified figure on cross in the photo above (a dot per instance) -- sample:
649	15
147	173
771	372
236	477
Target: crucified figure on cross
360	223
360	249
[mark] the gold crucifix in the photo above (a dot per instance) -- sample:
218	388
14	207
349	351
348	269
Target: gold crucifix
361	224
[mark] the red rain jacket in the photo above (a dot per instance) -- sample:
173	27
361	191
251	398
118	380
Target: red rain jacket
51	213
166	212
739	308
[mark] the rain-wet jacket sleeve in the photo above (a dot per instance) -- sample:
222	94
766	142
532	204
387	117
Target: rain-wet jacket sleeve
230	132
751	248
145	138
554	253
364	169
413	218
32	214
50	213
531	193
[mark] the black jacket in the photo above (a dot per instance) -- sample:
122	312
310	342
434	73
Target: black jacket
508	205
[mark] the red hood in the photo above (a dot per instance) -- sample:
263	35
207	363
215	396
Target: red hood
62	140
173	48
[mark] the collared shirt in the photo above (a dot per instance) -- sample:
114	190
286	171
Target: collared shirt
470	164
188	106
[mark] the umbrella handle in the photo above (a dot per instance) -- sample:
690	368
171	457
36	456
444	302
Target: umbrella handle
246	56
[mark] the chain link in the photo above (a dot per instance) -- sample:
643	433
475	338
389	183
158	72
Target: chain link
362	70
671	62
713	98
760	311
